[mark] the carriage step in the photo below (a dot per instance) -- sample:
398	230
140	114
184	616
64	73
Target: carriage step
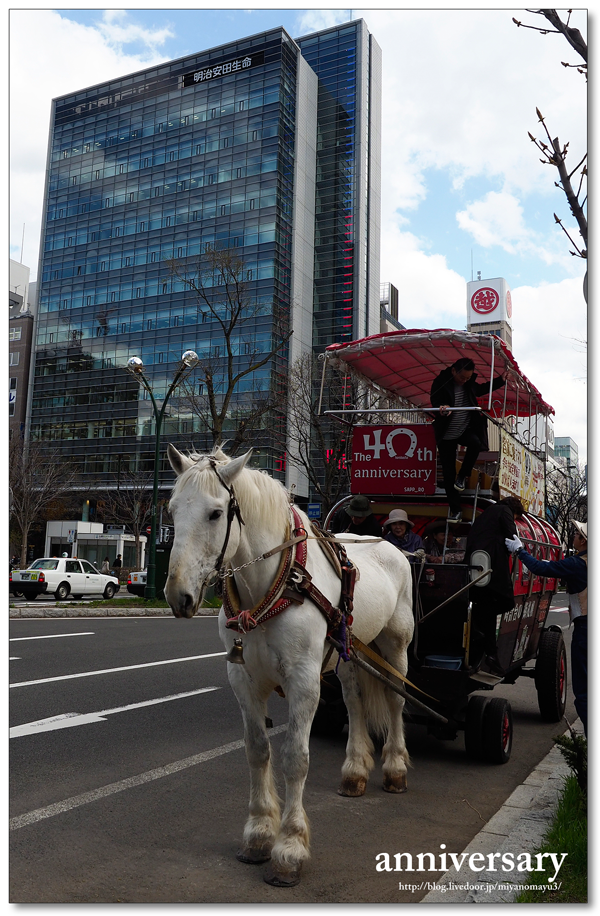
484	678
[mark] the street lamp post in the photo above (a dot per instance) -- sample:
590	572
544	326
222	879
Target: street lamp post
135	366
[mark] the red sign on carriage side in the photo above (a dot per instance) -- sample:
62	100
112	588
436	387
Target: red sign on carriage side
399	460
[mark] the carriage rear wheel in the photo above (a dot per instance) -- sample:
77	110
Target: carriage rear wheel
551	676
497	731
474	726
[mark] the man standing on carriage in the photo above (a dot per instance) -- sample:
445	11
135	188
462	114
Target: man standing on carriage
489	532
453	388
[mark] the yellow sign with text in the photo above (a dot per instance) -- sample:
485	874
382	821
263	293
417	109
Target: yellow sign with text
521	474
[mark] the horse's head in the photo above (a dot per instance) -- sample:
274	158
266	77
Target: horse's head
205	524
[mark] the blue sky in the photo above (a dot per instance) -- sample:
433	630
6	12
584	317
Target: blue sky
460	178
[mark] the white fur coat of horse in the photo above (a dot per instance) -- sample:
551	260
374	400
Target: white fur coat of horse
289	649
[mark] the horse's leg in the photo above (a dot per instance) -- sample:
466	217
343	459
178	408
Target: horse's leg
264	814
359	748
394	756
291	847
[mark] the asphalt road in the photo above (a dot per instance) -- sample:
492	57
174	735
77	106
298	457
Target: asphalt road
116	800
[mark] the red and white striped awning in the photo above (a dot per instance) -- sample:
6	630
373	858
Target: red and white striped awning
405	364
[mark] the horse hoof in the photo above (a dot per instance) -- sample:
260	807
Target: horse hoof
353	786
396	784
254	856
279	878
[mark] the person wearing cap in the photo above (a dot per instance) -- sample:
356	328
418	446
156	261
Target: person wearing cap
434	541
357	518
574	571
453	388
400	534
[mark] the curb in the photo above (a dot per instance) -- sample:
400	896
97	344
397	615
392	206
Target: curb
519	825
81	610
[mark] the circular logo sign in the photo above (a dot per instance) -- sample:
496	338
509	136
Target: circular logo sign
484	300
508	304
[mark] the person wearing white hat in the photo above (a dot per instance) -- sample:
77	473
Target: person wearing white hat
574	571
400	534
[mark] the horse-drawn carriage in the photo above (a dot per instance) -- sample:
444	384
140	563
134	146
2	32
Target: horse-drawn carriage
394	464
291	596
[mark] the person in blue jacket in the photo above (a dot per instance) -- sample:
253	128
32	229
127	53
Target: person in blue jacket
574	571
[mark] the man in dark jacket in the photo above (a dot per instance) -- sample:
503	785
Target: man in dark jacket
454	388
357	518
574	571
489	532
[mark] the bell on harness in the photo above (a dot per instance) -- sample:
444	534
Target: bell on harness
236	653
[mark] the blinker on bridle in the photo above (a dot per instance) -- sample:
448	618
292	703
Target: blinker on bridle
233	511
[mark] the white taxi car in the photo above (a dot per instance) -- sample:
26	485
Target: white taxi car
62	577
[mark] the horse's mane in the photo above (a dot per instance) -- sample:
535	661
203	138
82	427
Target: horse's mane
261	498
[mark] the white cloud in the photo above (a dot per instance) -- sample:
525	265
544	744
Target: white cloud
431	295
549	325
68	57
315	20
497	219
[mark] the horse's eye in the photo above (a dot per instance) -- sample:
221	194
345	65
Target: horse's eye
215	515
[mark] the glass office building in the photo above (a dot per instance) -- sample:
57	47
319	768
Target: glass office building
266	147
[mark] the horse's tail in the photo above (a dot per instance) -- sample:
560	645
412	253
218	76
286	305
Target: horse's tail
375	706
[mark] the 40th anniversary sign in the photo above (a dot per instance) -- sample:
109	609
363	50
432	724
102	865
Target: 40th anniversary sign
394	459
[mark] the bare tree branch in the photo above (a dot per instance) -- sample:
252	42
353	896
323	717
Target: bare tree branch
554	154
38	477
219	281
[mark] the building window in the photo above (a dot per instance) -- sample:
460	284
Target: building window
171	157
127	262
14	359
161	357
138	292
14	334
88	300
97	173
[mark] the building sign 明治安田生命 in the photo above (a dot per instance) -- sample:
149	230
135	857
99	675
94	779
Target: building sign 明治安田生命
214	71
394	459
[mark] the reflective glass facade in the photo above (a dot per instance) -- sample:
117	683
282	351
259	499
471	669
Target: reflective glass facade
167	163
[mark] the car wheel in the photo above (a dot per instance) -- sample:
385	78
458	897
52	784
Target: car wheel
109	591
551	676
61	592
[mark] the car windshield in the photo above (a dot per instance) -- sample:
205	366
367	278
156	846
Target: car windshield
44	564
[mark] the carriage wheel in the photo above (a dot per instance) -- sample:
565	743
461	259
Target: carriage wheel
474	726
497	731
551	676
329	720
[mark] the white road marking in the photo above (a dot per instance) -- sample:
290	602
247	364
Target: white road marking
76	801
52	636
71	719
66	677
14	658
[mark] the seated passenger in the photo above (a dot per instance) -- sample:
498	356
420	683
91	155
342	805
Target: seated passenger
434	544
357	518
400	535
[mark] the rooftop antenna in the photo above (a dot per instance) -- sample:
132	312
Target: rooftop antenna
22	243
479	275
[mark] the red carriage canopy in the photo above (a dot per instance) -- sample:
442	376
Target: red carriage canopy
405	363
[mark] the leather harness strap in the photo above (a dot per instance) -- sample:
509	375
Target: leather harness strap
358	644
292	584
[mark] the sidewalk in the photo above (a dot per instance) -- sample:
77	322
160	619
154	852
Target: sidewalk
519	826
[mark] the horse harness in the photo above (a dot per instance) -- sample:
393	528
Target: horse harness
292	584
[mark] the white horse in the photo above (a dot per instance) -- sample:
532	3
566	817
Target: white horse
288	650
